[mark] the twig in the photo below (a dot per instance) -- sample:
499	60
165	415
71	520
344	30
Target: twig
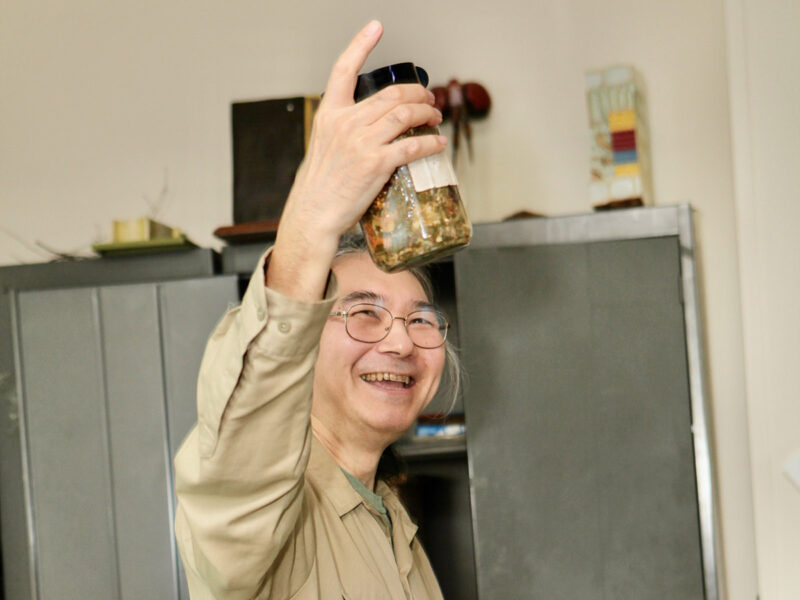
21	240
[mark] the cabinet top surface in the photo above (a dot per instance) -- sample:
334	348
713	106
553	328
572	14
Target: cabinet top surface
199	262
630	223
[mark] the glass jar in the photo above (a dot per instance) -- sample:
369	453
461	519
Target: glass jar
418	216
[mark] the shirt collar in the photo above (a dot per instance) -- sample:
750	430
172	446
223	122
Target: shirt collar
328	477
397	512
325	472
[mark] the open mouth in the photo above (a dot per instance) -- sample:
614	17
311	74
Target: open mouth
389	379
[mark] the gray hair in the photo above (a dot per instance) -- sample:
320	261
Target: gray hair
353	242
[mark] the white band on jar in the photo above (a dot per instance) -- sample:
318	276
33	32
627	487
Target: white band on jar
432	172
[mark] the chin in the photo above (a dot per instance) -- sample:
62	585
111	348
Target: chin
392	428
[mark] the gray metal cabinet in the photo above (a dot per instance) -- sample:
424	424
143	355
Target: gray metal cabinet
105	392
587	471
586	438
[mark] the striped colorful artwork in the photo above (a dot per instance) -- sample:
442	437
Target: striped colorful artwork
618	152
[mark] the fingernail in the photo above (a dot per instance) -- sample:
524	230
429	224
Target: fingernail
372	27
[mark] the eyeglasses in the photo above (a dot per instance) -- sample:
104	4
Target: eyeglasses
370	323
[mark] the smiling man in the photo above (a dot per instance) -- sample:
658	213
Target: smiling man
326	362
366	395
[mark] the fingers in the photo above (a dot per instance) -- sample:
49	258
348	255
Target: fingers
376	106
387	114
410	149
400	119
342	81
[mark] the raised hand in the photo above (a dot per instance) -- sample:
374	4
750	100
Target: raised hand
351	155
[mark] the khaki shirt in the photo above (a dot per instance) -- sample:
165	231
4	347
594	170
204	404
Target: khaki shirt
263	509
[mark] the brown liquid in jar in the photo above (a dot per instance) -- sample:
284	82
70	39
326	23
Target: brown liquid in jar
405	228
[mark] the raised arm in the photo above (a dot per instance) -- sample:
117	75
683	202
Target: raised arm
239	474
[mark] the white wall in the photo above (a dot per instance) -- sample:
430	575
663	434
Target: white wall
98	100
765	99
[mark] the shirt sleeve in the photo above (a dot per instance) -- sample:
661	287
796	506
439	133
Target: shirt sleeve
239	473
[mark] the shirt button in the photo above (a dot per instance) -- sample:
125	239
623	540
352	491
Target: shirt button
284	327
260	313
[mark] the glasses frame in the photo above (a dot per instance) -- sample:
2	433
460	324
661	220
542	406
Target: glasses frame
443	328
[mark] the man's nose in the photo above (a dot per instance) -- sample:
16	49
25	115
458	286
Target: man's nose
397	339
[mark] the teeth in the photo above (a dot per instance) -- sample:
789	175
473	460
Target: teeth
404	379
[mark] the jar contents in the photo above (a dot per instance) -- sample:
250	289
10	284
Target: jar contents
418	216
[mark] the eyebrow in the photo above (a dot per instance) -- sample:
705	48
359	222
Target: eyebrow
373	298
361	296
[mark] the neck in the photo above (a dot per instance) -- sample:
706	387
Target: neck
357	457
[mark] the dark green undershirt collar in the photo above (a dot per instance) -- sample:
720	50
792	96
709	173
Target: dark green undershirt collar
373	499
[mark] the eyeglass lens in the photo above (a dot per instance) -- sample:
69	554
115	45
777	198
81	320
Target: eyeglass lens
426	328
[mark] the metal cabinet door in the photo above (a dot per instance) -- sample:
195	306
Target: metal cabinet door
579	421
100	386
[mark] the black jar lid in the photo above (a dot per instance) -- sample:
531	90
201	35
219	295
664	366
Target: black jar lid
375	81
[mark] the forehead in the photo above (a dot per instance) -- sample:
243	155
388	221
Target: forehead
357	273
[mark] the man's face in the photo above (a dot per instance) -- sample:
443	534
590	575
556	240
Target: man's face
348	397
